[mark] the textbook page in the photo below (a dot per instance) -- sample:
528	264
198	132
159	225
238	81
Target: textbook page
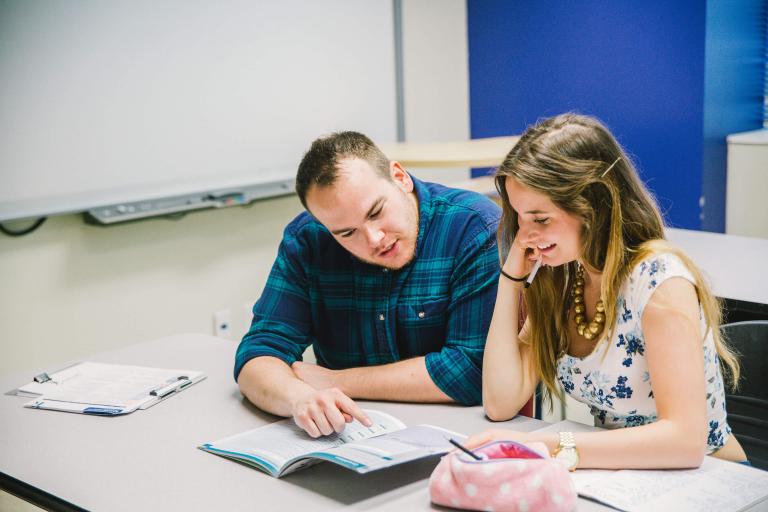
273	446
716	486
390	449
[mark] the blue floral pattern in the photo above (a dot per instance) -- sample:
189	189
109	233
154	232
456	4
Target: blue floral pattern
633	344
614	380
715	436
621	389
566	376
625	314
595	388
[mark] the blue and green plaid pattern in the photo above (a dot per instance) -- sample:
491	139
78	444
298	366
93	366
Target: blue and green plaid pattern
357	314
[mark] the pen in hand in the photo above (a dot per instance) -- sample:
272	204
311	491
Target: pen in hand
536	267
465	450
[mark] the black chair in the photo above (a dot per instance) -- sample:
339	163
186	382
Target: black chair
748	406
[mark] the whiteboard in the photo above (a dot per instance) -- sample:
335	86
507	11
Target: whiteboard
104	101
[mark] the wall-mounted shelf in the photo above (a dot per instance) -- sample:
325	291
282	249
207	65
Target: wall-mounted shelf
485	152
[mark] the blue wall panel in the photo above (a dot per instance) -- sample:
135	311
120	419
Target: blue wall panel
638	66
734	74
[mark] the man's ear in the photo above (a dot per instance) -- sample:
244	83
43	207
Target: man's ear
400	177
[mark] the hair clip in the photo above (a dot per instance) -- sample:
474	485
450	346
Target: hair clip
610	167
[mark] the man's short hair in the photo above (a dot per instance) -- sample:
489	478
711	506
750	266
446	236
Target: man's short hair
320	164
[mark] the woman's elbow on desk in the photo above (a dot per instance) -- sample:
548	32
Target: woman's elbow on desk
692	452
688	441
688	456
499	410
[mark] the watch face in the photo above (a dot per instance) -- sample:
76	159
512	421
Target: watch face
568	457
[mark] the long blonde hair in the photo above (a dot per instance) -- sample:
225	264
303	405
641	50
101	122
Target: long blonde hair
576	162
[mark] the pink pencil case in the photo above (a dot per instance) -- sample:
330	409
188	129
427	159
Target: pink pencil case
511	477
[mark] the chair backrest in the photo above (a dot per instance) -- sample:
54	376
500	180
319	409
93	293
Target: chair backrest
748	405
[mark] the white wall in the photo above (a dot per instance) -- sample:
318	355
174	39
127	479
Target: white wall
436	76
69	289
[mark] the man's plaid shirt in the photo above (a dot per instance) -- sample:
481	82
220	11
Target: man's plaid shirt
356	314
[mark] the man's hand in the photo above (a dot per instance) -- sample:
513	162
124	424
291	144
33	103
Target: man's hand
323	412
315	375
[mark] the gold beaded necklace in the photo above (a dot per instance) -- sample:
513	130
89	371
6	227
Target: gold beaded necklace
590	330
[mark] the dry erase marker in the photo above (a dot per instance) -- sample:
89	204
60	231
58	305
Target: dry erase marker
536	268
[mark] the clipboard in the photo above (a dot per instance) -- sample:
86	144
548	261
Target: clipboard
106	389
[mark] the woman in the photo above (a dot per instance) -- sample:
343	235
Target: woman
621	318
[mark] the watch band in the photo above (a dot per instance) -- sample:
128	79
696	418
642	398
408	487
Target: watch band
567	440
566	452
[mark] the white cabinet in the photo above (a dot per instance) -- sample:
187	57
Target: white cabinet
746	207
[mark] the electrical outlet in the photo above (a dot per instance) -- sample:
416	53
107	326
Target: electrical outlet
232	324
222	324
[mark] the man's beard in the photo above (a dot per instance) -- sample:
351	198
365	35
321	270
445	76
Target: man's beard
413	220
390	267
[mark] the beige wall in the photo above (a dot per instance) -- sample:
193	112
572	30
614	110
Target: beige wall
747	181
70	289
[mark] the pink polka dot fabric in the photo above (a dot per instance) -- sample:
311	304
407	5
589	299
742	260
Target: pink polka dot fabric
499	483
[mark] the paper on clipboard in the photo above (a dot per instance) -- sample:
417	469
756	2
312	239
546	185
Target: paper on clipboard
107	389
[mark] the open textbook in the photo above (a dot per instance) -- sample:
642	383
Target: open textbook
716	485
282	447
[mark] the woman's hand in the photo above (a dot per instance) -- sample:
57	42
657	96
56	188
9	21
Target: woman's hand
520	259
550	439
496	434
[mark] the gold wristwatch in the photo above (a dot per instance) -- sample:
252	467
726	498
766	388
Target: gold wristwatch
566	452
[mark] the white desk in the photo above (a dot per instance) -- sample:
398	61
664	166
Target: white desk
148	460
733	264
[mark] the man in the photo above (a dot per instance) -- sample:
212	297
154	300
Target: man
393	282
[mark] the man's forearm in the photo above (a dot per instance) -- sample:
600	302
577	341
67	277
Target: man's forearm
406	381
271	385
